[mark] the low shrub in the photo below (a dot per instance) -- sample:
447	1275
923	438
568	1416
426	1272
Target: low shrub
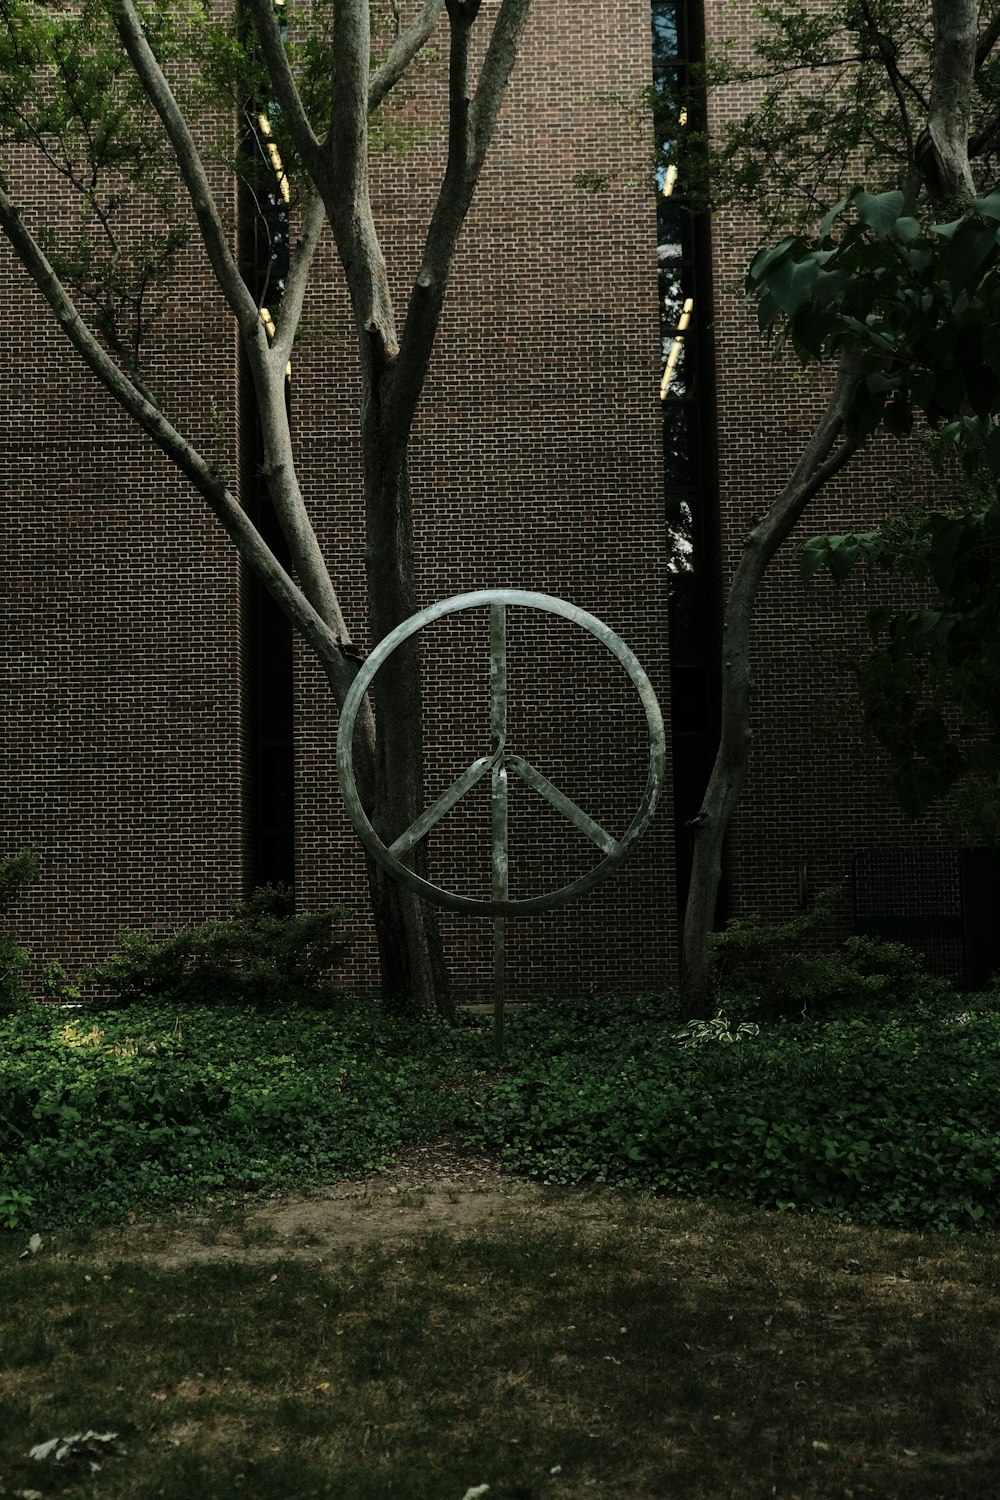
766	967
16	874
264	954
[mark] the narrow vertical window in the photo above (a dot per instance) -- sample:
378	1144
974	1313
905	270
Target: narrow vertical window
269	742
690	493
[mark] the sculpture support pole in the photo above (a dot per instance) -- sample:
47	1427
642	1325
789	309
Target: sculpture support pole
499	884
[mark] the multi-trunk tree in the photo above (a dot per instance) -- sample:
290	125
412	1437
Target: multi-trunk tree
117	100
896	288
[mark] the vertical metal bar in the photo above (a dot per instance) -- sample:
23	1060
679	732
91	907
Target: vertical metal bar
499	961
498	672
499	894
499	882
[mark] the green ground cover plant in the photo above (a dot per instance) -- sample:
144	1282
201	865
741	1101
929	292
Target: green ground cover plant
597	1345
877	1102
888	1117
106	1112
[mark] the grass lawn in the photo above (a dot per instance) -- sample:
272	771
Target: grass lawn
555	1344
553	1341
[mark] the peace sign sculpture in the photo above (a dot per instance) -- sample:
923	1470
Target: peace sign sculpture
501	762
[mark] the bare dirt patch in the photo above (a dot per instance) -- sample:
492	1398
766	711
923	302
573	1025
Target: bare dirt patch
432	1188
436	1188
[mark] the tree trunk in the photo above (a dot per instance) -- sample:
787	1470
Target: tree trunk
411	953
943	161
819	462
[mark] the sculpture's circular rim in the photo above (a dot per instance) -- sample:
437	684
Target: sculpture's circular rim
478	599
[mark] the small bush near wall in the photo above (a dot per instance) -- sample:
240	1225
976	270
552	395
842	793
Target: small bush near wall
16	874
769	968
266	954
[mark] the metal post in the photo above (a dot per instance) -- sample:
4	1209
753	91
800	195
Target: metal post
499	883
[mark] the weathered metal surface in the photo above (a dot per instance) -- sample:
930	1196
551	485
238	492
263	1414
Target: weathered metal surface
444	803
500	761
563	804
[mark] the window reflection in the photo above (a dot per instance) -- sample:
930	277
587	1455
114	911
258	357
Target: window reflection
678	299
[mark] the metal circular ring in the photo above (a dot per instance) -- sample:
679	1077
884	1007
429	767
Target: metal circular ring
612	858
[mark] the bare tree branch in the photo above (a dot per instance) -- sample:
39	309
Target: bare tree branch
151	419
192	169
267	368
404	50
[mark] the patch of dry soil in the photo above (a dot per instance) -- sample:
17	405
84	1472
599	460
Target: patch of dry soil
436	1187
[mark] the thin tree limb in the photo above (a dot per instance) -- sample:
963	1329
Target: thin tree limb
471	126
494	75
296	282
192	170
897	81
151	419
286	90
821	458
402	53
988	39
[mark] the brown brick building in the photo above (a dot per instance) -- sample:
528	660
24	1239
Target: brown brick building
157	752
165	744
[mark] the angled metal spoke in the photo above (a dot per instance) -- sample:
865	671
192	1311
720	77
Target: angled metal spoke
444	803
563	804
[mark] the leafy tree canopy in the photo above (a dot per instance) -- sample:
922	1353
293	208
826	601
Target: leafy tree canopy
843	95
930	684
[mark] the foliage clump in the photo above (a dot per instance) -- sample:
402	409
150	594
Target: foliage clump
106	1112
265	954
768	970
930	684
16	874
885	1116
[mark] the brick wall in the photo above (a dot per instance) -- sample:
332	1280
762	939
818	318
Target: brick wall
535	465
119	660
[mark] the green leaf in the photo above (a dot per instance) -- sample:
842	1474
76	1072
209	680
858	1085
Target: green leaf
843	557
878	619
814	555
792	282
992	450
898	416
969	249
906	230
828	219
764	260
879	381
880	211
988	208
